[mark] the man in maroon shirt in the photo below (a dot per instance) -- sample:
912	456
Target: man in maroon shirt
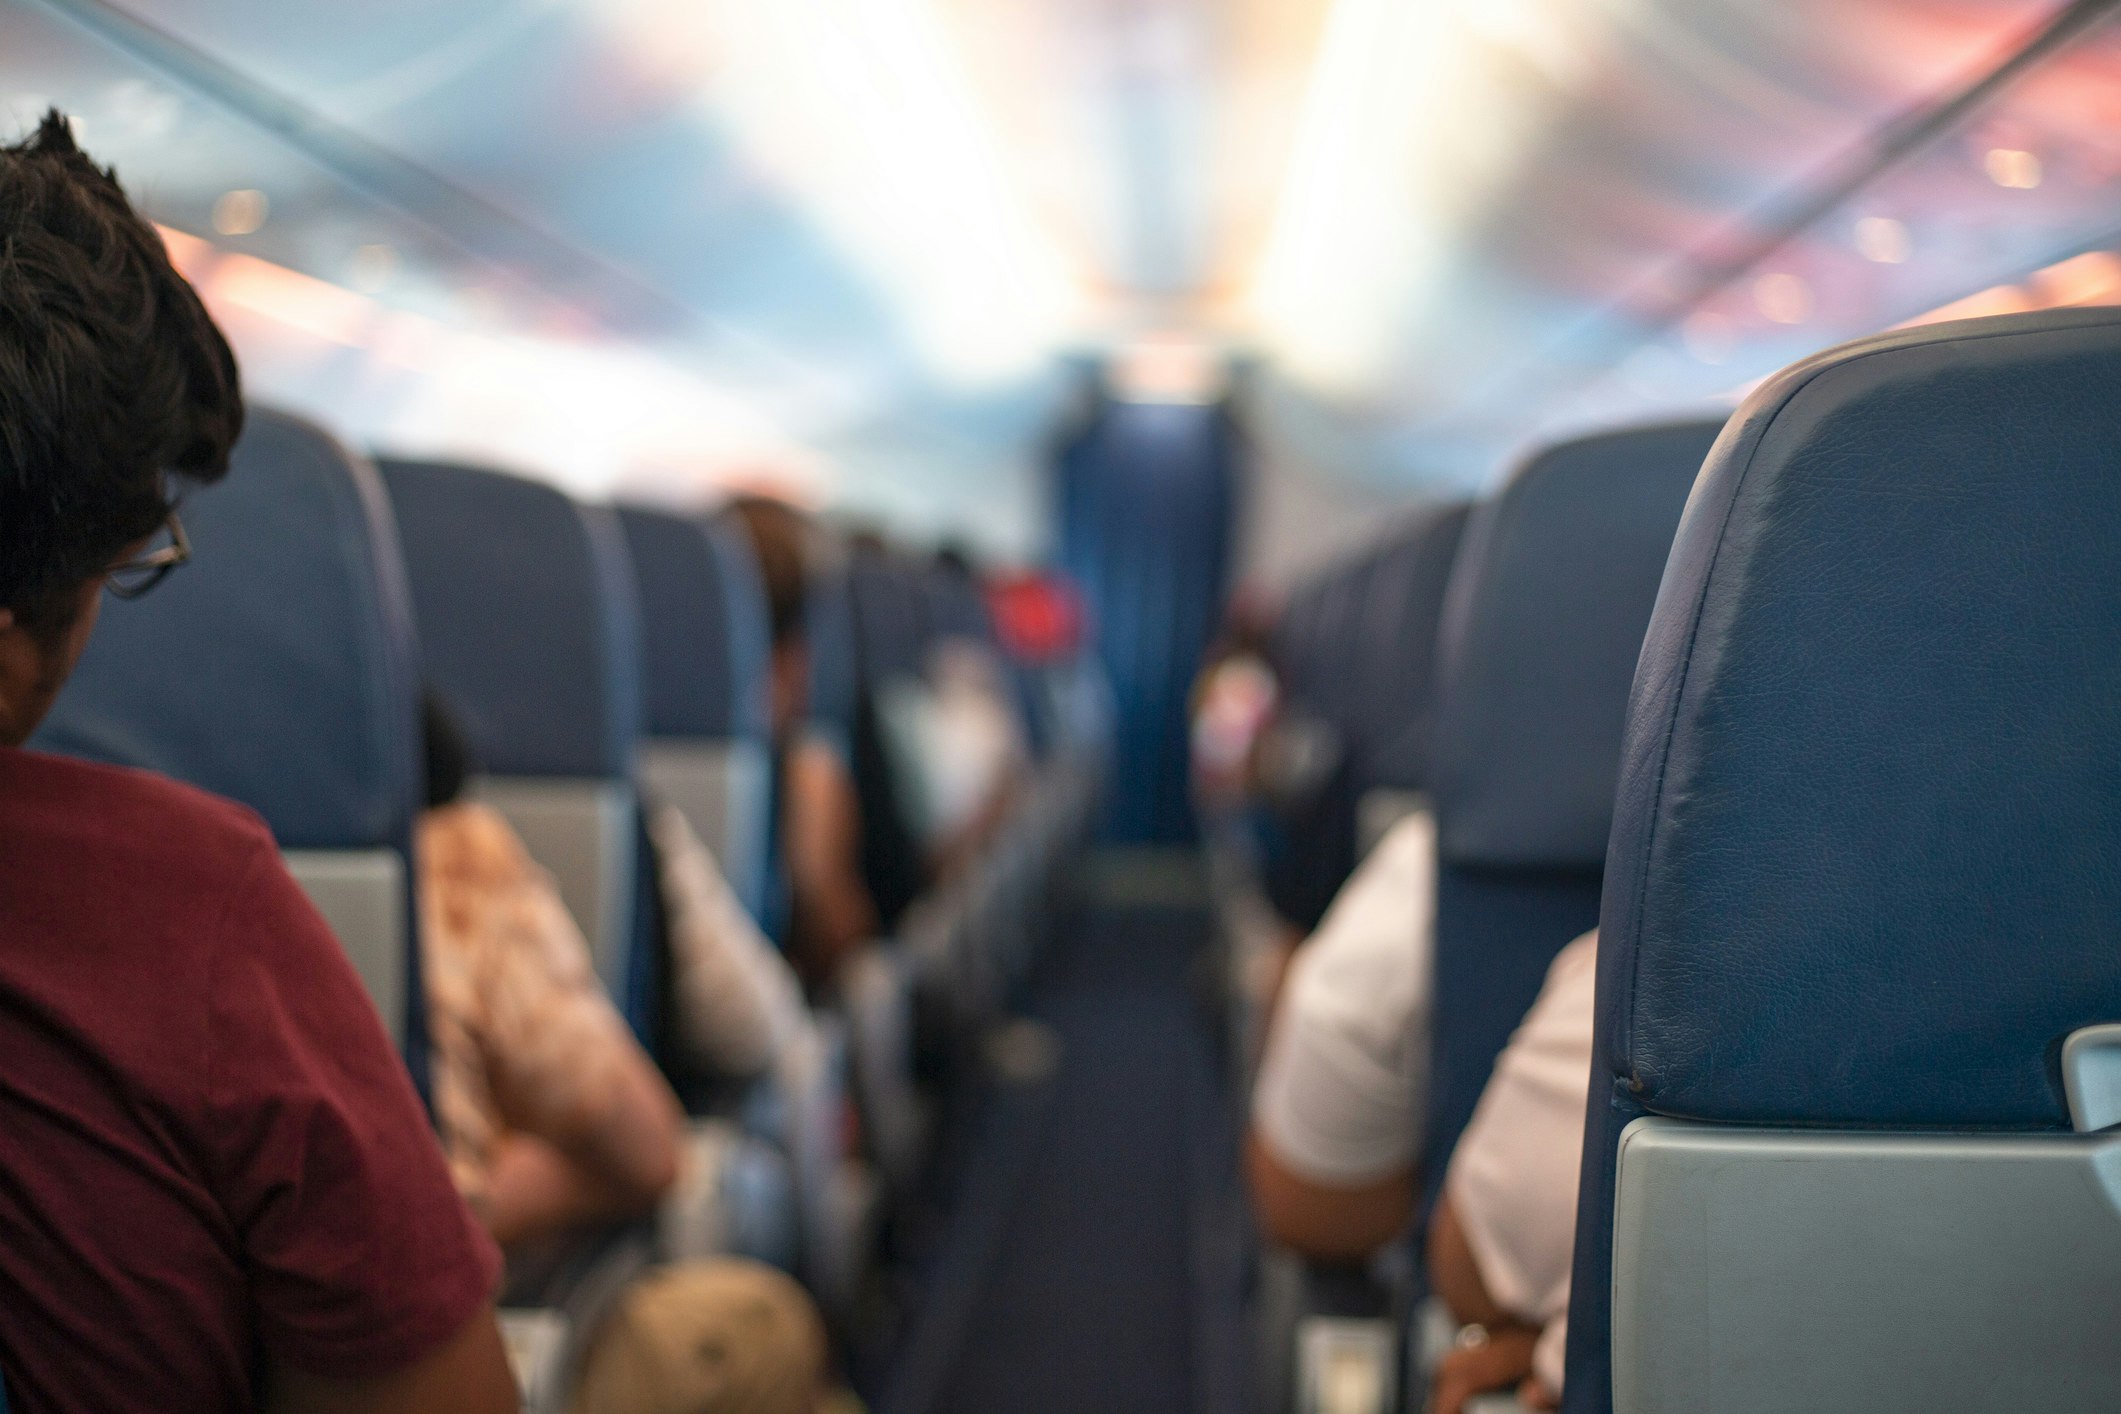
218	1191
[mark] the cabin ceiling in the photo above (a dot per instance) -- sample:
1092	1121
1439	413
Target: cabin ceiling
875	233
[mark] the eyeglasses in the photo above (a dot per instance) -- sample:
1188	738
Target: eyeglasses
129	579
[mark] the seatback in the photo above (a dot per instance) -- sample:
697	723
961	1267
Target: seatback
1865	887
1542	622
1396	659
526	608
1316	647
704	652
278	668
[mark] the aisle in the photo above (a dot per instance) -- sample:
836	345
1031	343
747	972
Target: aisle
1089	1266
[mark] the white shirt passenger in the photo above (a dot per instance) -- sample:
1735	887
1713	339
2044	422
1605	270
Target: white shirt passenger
1513	1176
1342	1088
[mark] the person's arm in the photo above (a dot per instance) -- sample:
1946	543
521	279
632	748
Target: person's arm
834	914
1326	1222
594	1127
1336	1115
468	1374
612	1169
363	1264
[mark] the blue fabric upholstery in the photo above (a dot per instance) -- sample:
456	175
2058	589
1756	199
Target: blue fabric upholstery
279	666
1397	655
526	607
1541	625
1866	857
703	627
1543	620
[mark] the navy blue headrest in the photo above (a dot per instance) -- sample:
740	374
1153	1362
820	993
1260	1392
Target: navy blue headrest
526	607
1870	813
703	626
1542	623
1866	856
835	683
278	667
891	621
1397	655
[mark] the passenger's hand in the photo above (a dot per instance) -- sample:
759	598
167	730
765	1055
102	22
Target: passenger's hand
1501	1360
1534	1394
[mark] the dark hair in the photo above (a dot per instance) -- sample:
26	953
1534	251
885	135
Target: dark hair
112	376
779	534
450	762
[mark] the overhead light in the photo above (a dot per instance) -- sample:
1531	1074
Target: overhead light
863	111
1882	239
2012	167
241	212
1783	297
1708	336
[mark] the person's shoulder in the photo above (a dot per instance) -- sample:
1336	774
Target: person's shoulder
119	814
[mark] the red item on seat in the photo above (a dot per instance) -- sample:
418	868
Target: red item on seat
1038	618
208	1146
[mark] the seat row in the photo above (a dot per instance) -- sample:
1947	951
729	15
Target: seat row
1811	714
600	659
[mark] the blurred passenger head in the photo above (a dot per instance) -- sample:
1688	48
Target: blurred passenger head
115	388
780	539
727	1336
450	762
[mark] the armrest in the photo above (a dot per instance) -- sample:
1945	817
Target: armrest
549	1315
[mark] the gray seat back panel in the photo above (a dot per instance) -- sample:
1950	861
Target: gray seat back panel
581	831
361	893
1771	1270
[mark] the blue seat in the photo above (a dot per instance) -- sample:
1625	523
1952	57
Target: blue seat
528	625
1396	659
1863	901
704	652
1543	620
1316	648
278	668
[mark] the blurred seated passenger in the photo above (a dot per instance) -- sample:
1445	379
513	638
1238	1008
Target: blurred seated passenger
218	1187
554	1118
735	1004
959	752
1337	1115
1502	1240
832	913
1234	700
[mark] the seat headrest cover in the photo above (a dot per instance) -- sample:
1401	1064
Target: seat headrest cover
890	607
1542	623
277	667
703	626
527	619
1396	666
1866	862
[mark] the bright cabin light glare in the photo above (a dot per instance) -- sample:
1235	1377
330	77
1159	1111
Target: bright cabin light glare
862	110
1708	336
373	268
241	212
2013	167
1345	233
1882	239
1783	297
